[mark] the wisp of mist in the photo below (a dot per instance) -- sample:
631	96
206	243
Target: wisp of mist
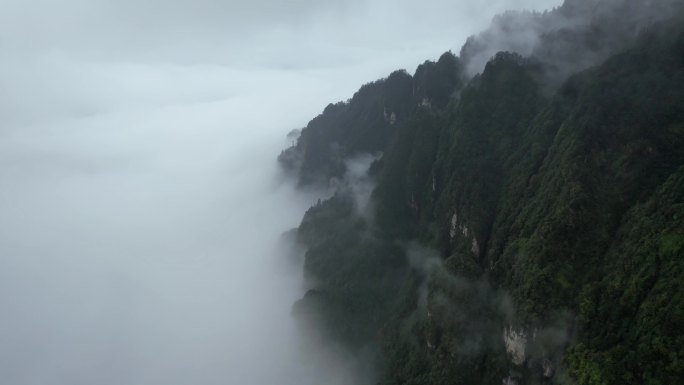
141	206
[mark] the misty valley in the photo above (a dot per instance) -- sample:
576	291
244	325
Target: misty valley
253	194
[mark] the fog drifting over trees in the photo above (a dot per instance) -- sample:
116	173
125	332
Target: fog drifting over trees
141	204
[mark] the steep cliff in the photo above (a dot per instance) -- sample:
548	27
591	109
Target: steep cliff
521	230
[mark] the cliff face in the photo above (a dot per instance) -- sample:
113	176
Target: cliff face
514	234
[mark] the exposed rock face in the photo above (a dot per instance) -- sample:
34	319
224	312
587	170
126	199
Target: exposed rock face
454	226
509	381
390	117
548	369
463	229
475	248
516	344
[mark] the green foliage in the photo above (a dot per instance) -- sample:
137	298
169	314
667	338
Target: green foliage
640	301
368	122
359	276
559	215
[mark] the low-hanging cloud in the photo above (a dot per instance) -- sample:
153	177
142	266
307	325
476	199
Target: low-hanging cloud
569	38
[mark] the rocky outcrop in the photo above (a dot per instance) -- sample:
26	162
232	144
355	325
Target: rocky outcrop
516	344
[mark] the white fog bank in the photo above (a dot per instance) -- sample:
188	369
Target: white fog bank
142	248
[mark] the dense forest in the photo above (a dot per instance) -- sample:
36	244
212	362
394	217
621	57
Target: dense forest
526	219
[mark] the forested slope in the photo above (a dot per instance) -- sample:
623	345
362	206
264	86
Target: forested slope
521	230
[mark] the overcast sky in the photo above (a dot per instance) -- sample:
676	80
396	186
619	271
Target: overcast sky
140	203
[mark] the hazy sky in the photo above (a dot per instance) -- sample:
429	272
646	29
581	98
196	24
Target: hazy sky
140	203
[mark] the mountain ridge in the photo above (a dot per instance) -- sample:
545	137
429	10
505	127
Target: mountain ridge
521	230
